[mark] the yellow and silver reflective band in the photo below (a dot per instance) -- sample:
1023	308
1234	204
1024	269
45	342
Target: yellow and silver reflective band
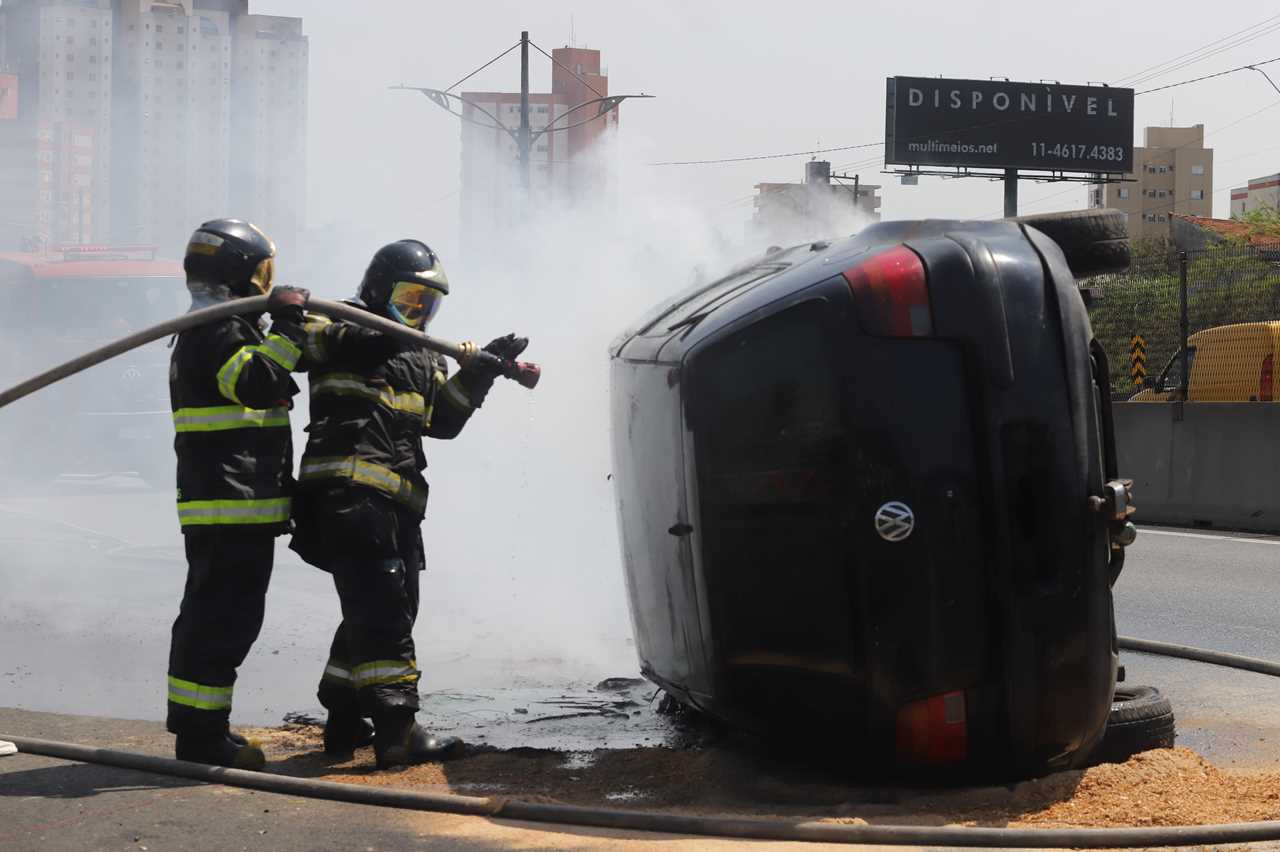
315	343
205	513
278	348
352	384
336	671
220	418
362	472
199	695
455	394
383	672
281	349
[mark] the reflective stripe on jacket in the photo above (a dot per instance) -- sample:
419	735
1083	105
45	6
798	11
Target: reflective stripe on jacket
230	390
368	418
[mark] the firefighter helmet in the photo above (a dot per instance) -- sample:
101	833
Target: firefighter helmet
405	282
231	255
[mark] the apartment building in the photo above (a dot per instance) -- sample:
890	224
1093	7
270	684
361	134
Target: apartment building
172	124
131	121
270	58
55	129
1173	174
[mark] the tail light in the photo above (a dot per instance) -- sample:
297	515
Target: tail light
934	731
1267	380
891	294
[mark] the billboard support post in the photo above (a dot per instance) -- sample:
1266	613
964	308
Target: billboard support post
1010	193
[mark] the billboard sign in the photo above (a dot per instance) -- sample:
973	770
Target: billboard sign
932	121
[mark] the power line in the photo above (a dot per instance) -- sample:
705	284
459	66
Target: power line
1248	67
1205	53
1198	60
1254	66
1161	65
766	156
482	67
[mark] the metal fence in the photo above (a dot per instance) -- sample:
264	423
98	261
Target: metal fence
1145	317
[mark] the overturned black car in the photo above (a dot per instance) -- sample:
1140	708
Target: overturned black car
869	488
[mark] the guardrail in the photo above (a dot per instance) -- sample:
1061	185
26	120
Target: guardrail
1202	464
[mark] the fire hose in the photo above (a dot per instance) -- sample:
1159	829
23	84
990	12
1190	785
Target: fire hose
707	826
466	354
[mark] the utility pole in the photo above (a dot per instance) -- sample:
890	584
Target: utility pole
524	141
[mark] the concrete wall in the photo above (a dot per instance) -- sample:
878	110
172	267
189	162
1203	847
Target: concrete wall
1218	466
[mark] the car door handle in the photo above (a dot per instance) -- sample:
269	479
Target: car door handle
680	530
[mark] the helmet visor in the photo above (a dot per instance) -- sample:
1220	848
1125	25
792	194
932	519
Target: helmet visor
264	275
414	304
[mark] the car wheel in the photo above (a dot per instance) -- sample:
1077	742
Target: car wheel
1094	241
1141	719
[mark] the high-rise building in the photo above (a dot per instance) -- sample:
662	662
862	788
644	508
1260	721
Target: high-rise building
562	165
1172	174
138	119
171	128
55	144
269	124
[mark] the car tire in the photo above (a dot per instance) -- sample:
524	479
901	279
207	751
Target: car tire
1094	241
1141	719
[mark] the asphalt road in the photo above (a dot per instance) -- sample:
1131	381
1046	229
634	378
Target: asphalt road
91	573
90	576
1212	590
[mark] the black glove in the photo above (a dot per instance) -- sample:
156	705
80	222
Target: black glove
369	346
481	373
507	348
285	304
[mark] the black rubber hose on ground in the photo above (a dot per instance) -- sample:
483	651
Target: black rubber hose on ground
252	305
1200	655
735	827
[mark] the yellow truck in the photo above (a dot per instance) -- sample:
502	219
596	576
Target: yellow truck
1229	363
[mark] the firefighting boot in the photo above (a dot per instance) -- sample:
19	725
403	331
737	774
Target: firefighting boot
400	741
344	732
220	750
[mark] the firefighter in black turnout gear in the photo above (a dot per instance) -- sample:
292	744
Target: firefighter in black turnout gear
231	392
362	495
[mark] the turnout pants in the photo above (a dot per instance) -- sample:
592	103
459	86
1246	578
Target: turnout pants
375	561
220	617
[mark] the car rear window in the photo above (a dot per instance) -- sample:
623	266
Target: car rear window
704	298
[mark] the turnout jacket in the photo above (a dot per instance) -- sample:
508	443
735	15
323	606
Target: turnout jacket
230	390
368	416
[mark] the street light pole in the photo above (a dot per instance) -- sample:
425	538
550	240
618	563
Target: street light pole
523	142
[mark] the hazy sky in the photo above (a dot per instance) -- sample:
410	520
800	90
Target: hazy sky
739	79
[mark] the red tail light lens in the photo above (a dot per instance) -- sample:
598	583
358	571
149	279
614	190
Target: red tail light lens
935	731
891	294
1267	380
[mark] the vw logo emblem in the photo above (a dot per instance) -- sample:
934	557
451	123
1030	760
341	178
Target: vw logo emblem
895	521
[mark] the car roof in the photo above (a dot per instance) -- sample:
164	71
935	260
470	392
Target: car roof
1272	326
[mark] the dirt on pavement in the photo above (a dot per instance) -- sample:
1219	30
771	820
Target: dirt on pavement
1165	787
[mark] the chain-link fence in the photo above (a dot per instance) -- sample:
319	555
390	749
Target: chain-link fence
1219	298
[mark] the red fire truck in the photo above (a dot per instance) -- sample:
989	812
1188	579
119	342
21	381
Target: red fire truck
114	418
